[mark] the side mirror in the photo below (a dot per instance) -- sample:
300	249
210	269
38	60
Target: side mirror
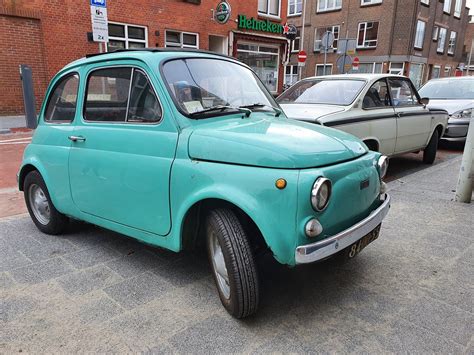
425	101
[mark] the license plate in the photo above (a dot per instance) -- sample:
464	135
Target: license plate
358	246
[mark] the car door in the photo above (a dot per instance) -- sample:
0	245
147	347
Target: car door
122	149
413	118
379	119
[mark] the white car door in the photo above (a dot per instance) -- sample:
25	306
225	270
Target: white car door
413	118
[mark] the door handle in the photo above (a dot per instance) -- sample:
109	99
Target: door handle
76	138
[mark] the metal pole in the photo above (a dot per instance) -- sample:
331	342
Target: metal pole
466	173
300	69
470	56
326	52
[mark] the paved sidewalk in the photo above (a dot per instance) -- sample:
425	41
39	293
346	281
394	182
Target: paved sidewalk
95	291
8	122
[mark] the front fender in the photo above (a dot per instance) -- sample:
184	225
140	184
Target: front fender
252	189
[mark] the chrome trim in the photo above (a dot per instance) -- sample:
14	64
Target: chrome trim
316	251
380	163
76	138
315	190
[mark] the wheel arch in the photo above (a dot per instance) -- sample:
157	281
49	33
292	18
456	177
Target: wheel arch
372	143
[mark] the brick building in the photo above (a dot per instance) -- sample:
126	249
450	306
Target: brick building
422	39
47	34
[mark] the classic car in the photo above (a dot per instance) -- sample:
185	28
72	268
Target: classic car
176	147
383	110
455	95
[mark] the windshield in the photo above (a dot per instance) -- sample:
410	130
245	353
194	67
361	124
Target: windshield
203	86
460	89
322	91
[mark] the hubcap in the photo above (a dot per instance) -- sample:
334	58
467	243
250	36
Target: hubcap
39	204
218	266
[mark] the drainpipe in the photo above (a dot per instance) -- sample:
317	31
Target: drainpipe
466	174
392	31
302	38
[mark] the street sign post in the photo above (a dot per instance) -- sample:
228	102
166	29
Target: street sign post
344	63
100	28
327	42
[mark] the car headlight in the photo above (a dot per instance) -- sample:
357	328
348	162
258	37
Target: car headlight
321	193
467	113
382	165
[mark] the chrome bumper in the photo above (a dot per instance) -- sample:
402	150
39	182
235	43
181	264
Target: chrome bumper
331	245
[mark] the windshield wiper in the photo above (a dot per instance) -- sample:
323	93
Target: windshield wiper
256	105
222	108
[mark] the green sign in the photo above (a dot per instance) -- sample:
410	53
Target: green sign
259	25
222	13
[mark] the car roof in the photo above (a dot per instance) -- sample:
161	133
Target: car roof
453	78
146	54
355	76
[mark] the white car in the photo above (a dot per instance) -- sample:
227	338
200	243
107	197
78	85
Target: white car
383	110
455	95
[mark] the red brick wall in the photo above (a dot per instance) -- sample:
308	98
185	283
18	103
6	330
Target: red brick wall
62	26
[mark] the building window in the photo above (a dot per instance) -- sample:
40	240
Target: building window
319	33
435	73
457	8
370	68
370	2
447	71
124	36
323	70
447	6
396	68
295	44
295	7
367	36
452	43
416	74
426	2
329	5
263	60
435	33
269	7
441	39
420	34
291	75
181	39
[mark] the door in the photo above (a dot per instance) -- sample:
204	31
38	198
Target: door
413	118
122	151
381	123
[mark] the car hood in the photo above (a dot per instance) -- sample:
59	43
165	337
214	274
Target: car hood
309	112
273	143
451	106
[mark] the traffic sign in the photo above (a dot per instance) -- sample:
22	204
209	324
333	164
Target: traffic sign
355	63
100	26
344	63
302	56
327	42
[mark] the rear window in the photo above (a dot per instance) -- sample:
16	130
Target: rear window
321	91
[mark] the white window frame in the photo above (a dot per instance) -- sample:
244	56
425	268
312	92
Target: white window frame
317	49
447	70
296	13
293	48
126	39
441	40
267	13
447	6
370	2
182	45
426	2
398	70
324	69
458	8
326	8
418	44
435	33
452	42
436	67
292	67
365	33
374	65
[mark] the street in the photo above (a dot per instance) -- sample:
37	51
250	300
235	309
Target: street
92	290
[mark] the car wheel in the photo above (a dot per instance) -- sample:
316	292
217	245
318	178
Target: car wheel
232	263
429	154
42	211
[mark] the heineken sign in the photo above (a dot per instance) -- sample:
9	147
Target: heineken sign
259	25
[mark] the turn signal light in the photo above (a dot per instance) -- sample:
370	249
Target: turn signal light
280	184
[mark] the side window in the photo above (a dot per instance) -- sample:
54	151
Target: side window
402	93
107	95
144	106
377	96
62	101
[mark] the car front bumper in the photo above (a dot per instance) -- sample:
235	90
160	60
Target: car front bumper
320	250
456	130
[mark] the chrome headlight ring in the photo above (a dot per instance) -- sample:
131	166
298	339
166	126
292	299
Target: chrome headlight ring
321	194
382	165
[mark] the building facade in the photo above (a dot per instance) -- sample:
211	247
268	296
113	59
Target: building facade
48	34
422	39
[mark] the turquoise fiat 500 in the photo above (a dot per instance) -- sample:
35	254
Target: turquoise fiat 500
174	147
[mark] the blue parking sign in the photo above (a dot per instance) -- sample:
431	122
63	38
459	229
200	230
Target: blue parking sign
100	3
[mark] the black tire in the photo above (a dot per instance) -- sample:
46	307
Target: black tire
224	227
429	154
57	222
